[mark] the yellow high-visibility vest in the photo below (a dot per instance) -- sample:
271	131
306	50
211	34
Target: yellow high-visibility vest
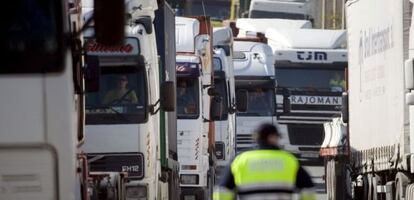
265	169
261	170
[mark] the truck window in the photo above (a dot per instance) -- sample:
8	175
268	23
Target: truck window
187	98
217	64
261	101
121	99
221	88
32	37
312	79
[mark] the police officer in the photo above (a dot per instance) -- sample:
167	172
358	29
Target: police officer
265	173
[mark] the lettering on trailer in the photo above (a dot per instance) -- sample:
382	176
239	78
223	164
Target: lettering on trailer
311	55
373	41
129	48
316	100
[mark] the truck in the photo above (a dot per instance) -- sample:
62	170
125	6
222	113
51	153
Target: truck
378	113
126	123
225	127
197	106
312	72
42	112
281	9
255	75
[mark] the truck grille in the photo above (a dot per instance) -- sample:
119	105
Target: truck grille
306	134
244	142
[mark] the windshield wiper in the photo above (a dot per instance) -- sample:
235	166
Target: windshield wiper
112	109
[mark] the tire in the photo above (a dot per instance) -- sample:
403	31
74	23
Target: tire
401	181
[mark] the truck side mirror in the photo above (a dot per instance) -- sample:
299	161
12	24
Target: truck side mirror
409	74
226	48
216	108
287	106
168	96
92	73
109	19
409	81
242	100
345	104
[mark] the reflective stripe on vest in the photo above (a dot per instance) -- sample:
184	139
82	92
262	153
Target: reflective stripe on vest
265	170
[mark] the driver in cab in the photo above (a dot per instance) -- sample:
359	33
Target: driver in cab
185	102
120	94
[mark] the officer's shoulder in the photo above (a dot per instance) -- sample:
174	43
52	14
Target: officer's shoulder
287	153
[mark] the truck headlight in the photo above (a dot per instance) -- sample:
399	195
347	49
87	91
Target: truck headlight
136	192
189	179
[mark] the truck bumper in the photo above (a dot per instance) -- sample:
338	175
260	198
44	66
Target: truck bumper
193	193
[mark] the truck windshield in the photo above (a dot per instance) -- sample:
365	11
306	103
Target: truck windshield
221	88
311	79
279	15
216	9
261	102
121	98
31	36
187	98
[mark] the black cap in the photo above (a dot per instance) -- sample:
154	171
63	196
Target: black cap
265	130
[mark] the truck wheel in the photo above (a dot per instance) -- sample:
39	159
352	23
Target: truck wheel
409	192
401	181
373	182
337	180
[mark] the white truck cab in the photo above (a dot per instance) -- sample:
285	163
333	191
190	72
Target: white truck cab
123	111
313	73
225	126
250	27
195	127
282	9
254	72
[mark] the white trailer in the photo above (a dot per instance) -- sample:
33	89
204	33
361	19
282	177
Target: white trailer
123	111
41	115
195	115
380	121
282	9
225	127
254	72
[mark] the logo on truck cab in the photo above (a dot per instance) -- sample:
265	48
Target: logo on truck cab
129	48
311	55
316	100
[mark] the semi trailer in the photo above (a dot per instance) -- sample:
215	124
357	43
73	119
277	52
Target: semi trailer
375	161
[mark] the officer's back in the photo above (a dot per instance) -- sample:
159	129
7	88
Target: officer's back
265	173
